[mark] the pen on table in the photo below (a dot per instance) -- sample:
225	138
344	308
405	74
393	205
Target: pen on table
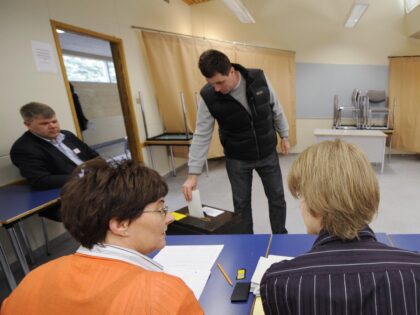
225	274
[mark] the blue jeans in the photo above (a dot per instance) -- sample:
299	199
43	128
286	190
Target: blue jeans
240	177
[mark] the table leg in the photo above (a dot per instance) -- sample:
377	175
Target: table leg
383	157
151	156
6	268
44	230
18	249
390	148
172	162
26	242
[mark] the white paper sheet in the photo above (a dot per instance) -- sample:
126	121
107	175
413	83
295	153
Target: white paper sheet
189	256
195	279
263	264
191	263
212	212
44	56
195	207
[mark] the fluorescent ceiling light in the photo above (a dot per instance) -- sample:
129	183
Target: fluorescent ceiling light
239	9
60	31
410	5
358	9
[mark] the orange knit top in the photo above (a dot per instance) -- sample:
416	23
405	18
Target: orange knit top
82	284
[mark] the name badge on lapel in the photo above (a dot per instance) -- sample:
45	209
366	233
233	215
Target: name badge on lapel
76	150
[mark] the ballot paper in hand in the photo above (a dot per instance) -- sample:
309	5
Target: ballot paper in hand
195	207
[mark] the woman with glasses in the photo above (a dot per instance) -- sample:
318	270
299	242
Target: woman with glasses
117	212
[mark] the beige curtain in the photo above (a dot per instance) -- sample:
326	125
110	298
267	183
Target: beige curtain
173	62
279	67
404	86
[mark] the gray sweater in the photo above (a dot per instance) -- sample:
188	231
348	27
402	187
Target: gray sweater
205	125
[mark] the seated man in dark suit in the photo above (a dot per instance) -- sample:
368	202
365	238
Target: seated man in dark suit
46	155
347	271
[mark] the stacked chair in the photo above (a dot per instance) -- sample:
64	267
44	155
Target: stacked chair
368	110
355	111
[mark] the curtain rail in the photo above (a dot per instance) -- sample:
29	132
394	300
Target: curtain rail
408	56
205	38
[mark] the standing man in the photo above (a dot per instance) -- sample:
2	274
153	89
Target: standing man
46	155
249	115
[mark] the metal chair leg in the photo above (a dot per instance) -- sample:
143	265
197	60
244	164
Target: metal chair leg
26	242
18	249
44	231
207	168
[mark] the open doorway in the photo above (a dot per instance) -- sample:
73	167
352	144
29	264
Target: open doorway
95	74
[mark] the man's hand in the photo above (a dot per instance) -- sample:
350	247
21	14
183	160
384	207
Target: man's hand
189	185
285	146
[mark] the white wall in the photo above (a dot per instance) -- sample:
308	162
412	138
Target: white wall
22	21
314	30
311	28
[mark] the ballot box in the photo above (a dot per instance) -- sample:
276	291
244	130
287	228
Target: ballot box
225	222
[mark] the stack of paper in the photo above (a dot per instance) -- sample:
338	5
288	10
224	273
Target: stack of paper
211	212
263	264
190	263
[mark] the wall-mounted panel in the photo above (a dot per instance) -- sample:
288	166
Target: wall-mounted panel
316	85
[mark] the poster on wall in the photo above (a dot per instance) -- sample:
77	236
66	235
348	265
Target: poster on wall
44	57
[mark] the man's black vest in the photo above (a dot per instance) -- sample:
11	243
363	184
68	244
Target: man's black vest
244	136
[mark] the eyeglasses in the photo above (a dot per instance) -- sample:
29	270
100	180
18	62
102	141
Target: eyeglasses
162	211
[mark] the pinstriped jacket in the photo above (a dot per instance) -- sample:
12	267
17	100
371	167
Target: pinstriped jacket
336	277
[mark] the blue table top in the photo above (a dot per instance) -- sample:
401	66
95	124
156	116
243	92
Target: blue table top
291	244
296	244
406	241
239	251
383	238
18	201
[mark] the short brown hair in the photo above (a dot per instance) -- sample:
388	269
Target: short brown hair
337	182
212	62
100	191
34	109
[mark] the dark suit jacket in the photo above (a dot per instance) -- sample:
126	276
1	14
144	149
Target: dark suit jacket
42	164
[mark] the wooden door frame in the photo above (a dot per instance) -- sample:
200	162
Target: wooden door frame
121	72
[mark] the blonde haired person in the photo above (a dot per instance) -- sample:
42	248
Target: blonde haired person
347	271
